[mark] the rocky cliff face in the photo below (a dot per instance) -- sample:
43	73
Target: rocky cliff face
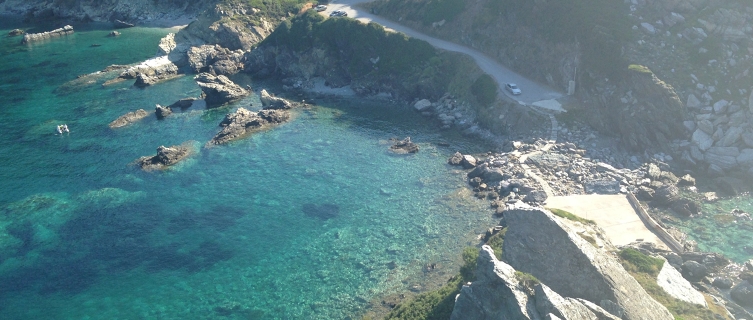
538	243
644	111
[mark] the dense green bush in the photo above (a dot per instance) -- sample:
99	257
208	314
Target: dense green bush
641	262
484	89
438	304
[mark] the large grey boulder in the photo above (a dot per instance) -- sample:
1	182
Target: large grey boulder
742	293
702	139
724	157
218	90
676	286
497	293
215	59
538	243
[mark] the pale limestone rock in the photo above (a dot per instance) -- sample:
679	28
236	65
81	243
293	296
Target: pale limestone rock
676	286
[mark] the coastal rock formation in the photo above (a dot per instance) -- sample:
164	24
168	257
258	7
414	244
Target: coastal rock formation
166	156
129	118
113	34
403	146
218	90
162	112
218	25
16	32
243	122
538	243
150	71
32	37
500	292
215	59
183	104
269	101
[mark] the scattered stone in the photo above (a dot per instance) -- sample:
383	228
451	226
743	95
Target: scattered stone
456	159
422	105
403	146
129	118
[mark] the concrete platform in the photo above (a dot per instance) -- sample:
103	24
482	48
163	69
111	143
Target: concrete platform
613	213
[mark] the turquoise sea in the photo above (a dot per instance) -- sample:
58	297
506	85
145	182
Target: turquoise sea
311	220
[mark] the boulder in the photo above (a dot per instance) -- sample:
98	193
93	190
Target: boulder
702	139
706	126
535	197
167	44
676	286
540	244
218	90
687	180
720	106
182	104
653	172
648	28
129	118
745	158
685	207
742	293
162	112
694	271
603	186
113	34
673	18
404	146
468	161
422	105
150	71
666	195
693	102
269	101
722	283
456	159
724	157
166	156
244	122
645	193
731	137
549	302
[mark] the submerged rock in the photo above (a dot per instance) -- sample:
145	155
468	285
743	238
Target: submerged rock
323	211
166	156
129	118
243	122
404	146
218	90
182	104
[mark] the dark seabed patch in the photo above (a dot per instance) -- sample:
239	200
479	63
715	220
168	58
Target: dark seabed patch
323	211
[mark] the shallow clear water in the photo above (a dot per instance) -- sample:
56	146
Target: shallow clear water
311	220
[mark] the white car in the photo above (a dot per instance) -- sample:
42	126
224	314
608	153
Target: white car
320	8
513	88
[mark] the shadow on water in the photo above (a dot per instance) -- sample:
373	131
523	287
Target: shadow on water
323	211
110	241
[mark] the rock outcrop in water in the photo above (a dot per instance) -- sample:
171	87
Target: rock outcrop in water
269	101
166	156
162	111
404	146
215	59
244	122
32	37
539	244
16	32
129	118
218	90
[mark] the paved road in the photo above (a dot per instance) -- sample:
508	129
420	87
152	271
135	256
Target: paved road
531	91
613	213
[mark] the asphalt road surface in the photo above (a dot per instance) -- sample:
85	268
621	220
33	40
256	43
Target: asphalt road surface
531	90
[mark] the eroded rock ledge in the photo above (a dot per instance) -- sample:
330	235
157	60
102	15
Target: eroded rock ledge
31	37
244	122
166	156
129	118
218	90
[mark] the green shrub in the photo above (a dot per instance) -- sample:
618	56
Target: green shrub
438	304
640	69
526	278
484	89
645	269
496	241
567	215
641	262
